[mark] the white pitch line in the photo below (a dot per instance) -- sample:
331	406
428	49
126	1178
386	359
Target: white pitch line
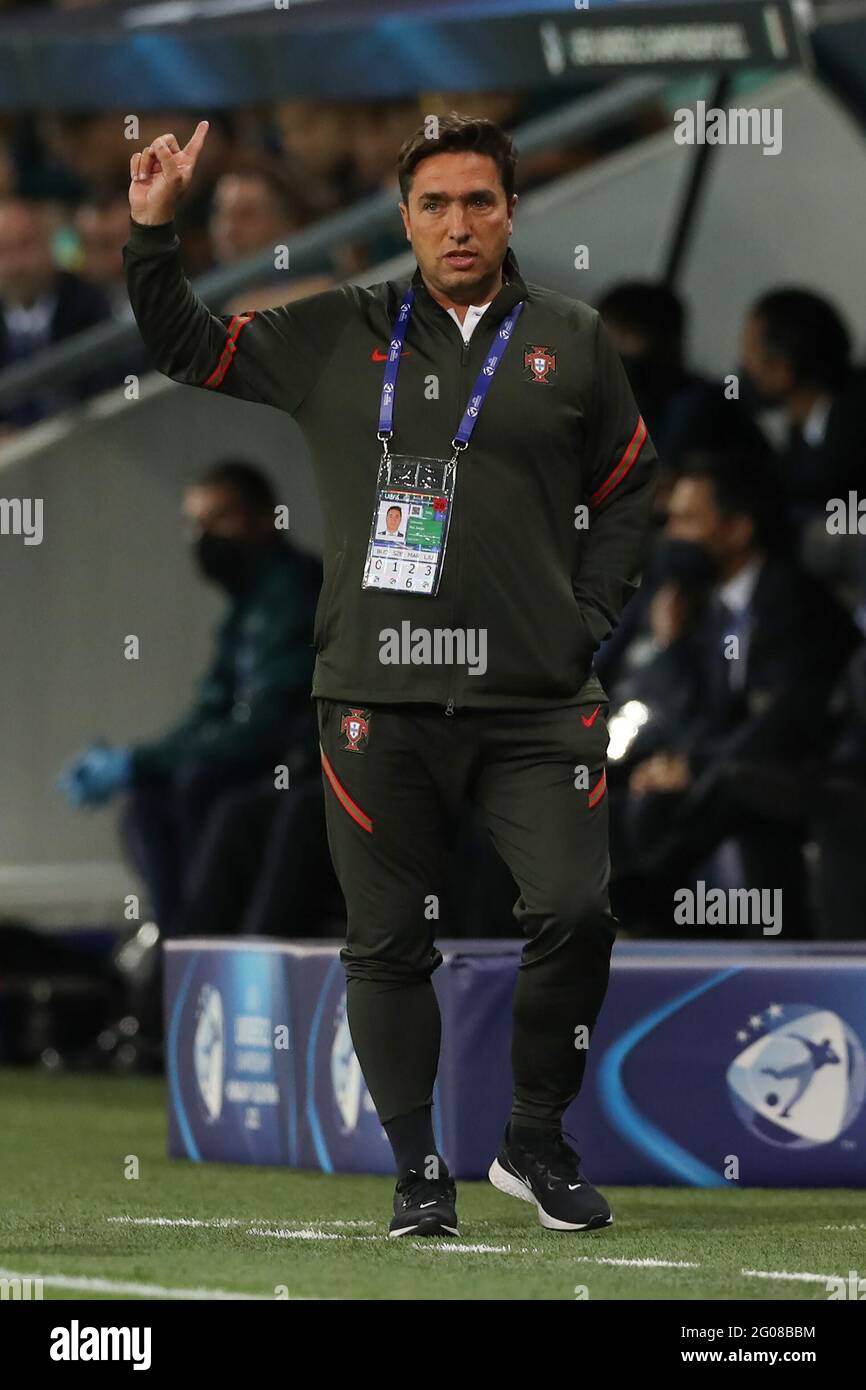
304	1233
221	1222
449	1248
785	1274
636	1264
85	1285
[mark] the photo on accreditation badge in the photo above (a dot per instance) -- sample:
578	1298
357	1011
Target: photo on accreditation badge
391	522
433	633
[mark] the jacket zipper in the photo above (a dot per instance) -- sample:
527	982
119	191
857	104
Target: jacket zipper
464	361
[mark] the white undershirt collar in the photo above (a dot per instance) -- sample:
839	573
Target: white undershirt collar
473	317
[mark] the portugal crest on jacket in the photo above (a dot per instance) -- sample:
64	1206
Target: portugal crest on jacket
539	363
355	724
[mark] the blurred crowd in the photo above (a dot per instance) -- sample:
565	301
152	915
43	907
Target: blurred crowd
264	174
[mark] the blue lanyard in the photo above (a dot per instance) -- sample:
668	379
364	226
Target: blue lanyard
479	390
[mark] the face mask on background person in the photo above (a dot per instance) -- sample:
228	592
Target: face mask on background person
650	379
224	559
687	563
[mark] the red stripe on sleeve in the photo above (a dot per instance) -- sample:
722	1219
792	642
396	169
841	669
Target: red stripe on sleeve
629	458
238	322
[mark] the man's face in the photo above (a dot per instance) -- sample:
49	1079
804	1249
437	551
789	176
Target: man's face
26	265
692	513
628	341
694	516
102	233
220	511
769	373
458	221
245	218
393	519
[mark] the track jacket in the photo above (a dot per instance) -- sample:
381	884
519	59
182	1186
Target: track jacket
553	494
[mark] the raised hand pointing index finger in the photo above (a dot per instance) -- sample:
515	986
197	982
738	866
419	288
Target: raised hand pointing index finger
194	146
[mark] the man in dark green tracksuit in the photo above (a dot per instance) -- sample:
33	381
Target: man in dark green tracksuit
519	487
251	707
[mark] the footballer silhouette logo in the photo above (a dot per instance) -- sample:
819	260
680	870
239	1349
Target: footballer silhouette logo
209	1052
800	1080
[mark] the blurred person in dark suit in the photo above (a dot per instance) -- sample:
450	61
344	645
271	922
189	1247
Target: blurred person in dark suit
41	305
684	411
688	414
796	357
837	816
771	645
838	806
252	711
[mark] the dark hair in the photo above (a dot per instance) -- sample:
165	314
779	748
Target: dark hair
456	133
252	489
650	308
743	485
808	332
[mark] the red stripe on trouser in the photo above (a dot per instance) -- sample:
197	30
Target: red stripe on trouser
343	796
238	322
629	457
598	790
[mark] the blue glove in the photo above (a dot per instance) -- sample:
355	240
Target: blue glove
95	775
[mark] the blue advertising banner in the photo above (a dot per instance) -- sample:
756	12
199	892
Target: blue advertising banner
214	53
709	1066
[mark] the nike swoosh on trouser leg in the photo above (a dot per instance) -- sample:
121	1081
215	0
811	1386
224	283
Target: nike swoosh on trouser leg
588	723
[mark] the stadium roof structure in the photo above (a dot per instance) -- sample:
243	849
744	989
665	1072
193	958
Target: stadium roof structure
146	54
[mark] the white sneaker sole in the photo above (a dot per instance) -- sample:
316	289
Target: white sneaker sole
440	1230
515	1187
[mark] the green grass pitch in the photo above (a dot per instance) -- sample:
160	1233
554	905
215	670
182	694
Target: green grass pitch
183	1230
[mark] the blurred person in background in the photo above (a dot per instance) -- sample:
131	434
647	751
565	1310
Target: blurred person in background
796	357
101	223
315	138
252	210
684	411
688	414
772	645
256	209
374	133
41	305
253	703
93	148
89	144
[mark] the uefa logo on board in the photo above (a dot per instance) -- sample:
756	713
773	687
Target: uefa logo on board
800	1079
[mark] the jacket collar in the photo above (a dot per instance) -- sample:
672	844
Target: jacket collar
510	294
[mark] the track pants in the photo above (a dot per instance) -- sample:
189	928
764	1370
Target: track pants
395	776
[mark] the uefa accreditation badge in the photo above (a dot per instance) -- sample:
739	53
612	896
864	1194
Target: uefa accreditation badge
409	531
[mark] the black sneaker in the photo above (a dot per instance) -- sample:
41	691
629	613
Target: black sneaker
424	1206
549	1174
